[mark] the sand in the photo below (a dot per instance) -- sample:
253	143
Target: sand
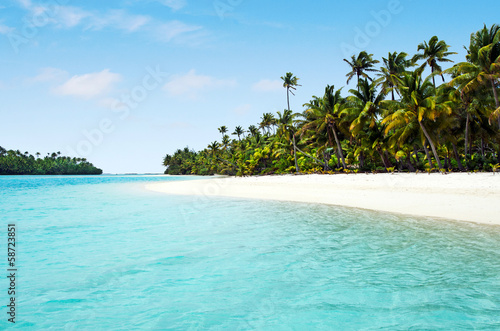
466	197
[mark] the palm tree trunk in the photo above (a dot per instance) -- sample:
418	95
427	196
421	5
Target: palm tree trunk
339	147
408	161
387	159
432	145
415	151
288	97
467	125
457	157
497	103
433	80
379	151
428	155
295	154
361	160
315	159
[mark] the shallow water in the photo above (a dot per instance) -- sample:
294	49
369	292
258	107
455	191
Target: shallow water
103	253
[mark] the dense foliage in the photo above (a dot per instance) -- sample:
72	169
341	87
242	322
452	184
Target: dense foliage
395	120
17	163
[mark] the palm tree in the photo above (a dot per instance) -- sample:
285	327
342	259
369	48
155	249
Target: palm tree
433	52
394	66
482	67
363	62
289	82
286	128
325	116
363	112
267	120
223	130
225	141
238	131
418	105
252	129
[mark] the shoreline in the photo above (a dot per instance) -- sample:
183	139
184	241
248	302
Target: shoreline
457	196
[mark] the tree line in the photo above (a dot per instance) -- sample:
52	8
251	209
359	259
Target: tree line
18	163
396	119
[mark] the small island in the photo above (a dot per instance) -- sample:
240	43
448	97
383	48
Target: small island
397	119
18	163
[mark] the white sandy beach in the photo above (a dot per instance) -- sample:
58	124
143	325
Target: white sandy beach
457	196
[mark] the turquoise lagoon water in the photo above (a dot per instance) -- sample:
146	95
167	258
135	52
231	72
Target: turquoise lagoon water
103	253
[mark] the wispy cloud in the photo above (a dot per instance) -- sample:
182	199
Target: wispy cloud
67	17
88	85
25	3
174	29
242	109
191	84
4	29
174	4
266	85
49	75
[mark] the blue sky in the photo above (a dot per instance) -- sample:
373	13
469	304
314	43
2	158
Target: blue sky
122	83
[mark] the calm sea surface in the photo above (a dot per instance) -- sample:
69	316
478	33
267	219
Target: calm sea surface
102	253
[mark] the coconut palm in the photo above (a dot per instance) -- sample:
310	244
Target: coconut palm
433	52
252	129
394	66
238	131
359	65
286	128
289	82
363	111
267	120
325	116
417	105
223	130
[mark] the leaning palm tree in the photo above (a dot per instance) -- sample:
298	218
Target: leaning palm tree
433	52
324	115
394	66
418	105
359	65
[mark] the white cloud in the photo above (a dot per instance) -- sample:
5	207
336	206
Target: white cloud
25	3
88	85
267	85
70	16
4	29
49	75
170	30
174	4
118	19
191	83
242	110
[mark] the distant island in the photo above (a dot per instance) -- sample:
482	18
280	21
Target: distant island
18	163
395	120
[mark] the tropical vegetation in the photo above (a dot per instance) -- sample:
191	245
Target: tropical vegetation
18	163
397	119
